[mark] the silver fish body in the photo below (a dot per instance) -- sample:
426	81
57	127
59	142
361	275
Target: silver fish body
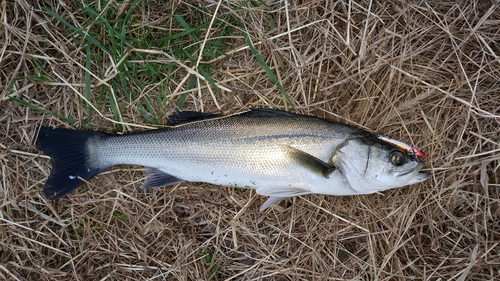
279	154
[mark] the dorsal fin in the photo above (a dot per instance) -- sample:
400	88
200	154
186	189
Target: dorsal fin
181	117
268	112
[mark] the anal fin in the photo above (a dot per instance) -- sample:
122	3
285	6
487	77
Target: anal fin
156	178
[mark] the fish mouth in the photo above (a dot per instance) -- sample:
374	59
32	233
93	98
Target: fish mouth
413	175
410	170
419	177
407	172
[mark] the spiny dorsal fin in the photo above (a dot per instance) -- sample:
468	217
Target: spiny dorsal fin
268	112
308	161
182	117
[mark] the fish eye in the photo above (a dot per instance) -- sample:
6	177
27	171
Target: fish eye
397	157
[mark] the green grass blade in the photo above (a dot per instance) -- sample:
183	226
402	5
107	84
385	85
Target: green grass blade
266	67
34	107
88	82
76	30
190	31
183	97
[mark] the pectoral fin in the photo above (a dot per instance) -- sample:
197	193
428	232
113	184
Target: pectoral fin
309	161
156	178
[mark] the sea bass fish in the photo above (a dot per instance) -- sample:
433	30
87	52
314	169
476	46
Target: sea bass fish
277	153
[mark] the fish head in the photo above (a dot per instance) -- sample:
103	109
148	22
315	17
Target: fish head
371	165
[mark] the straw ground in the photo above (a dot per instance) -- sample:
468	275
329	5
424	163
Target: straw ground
426	73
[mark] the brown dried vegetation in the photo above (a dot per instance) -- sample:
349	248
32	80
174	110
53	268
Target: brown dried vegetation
426	73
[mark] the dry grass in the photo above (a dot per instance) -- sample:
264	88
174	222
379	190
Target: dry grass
425	73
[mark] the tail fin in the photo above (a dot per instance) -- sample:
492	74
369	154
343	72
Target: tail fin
68	151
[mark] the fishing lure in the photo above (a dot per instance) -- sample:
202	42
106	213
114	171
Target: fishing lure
412	150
